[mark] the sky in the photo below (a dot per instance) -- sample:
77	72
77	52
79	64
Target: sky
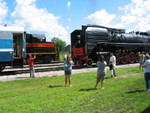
58	18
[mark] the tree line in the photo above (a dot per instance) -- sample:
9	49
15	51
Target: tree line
61	45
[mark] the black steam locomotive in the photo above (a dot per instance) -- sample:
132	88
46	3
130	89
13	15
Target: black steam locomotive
92	40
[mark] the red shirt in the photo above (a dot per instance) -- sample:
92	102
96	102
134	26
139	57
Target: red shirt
31	61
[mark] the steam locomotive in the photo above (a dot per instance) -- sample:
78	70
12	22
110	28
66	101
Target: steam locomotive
88	43
16	44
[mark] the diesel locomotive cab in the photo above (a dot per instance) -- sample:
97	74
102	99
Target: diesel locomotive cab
45	52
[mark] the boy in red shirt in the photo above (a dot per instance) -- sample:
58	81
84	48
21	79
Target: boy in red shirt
30	62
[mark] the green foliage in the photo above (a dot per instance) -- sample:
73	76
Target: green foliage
68	49
48	95
59	43
61	57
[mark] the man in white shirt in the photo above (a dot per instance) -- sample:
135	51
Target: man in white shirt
112	64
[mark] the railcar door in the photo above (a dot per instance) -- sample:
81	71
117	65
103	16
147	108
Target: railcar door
19	49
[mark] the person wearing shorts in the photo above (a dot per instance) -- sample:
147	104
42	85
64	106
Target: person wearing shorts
68	70
101	71
141	60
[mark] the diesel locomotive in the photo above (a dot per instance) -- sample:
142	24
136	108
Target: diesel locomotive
16	44
91	41
45	52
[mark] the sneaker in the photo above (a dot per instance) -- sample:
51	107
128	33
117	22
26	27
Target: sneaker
70	85
115	77
102	88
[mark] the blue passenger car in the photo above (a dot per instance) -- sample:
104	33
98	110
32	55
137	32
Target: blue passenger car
12	47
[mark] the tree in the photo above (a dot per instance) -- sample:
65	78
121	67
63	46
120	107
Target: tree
59	43
67	49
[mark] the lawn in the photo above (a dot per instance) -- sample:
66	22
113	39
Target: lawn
124	94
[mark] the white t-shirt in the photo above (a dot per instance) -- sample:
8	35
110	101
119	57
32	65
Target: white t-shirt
113	59
101	67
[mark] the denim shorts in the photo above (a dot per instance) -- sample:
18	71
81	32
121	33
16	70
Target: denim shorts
141	62
68	72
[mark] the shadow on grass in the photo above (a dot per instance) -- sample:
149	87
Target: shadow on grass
108	77
50	86
136	91
88	89
147	110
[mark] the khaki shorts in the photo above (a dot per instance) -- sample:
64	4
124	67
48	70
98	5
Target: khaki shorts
100	77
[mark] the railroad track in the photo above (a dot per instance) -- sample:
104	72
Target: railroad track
38	68
49	70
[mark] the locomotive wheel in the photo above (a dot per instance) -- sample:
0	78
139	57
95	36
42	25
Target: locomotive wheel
118	60
124	58
136	57
89	63
132	58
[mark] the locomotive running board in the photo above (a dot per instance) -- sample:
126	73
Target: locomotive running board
138	44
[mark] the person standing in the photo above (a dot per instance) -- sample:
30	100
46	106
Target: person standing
112	64
141	60
30	62
146	66
68	70
101	71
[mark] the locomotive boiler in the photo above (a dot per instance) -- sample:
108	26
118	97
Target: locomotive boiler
92	40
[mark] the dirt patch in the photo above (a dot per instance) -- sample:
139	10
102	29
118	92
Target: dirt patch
129	74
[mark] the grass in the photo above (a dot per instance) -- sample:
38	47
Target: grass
48	95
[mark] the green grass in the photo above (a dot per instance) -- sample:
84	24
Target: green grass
48	95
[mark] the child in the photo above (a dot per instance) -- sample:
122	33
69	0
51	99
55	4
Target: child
68	70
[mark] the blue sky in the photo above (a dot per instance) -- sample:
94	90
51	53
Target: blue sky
58	18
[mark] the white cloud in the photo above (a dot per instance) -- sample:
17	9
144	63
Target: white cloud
128	19
68	4
136	16
38	19
102	17
3	11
